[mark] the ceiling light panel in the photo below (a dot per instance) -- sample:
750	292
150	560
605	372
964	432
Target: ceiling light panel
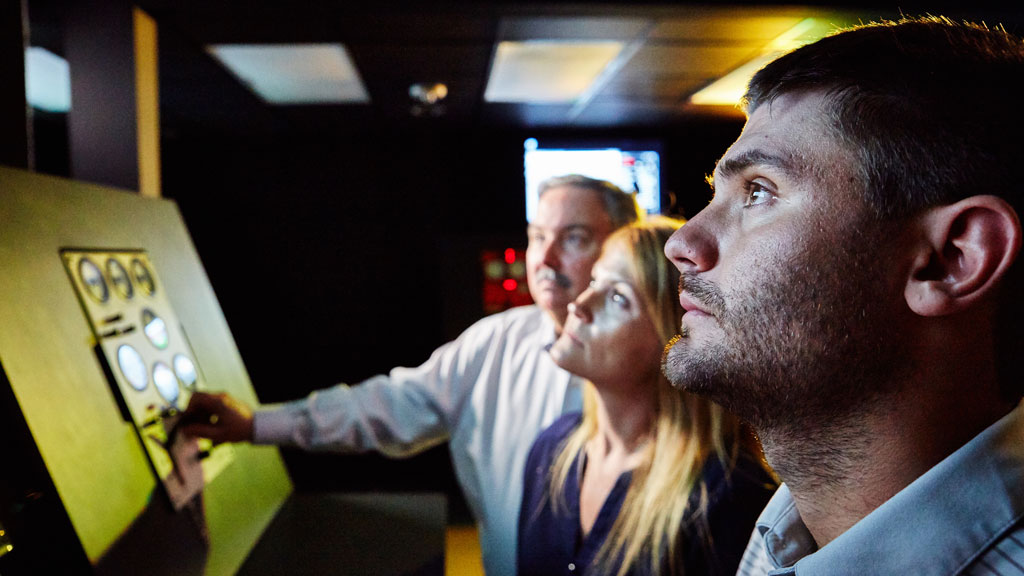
47	80
547	71
294	73
729	89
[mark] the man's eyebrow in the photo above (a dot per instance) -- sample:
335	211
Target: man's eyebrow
732	166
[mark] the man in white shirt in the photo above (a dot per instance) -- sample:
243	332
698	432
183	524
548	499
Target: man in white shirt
488	393
853	290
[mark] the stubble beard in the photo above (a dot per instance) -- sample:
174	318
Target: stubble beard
801	354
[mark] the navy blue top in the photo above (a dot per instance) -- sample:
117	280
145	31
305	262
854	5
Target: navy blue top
551	543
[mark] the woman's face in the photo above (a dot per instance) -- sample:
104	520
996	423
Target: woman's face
608	337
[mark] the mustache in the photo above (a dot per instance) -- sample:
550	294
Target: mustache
560	280
707	294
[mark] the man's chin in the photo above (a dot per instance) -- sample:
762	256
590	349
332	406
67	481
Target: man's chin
553	303
673	362
557	311
686	368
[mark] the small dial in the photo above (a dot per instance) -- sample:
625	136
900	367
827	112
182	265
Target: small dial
92	278
143	277
119	278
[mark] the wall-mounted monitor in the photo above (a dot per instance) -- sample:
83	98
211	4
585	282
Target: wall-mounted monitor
633	165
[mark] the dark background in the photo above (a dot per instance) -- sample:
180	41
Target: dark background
338	256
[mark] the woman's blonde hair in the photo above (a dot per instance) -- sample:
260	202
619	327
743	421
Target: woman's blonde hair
685	431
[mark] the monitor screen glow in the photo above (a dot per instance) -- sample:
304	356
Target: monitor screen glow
634	168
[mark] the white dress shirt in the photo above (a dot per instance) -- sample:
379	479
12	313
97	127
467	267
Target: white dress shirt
489	393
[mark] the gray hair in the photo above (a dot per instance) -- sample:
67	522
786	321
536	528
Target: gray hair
621	206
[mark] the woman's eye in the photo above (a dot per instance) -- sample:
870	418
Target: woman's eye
757	194
619	298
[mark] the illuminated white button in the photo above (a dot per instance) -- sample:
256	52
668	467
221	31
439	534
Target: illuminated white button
572	567
185	370
133	367
155	329
166	382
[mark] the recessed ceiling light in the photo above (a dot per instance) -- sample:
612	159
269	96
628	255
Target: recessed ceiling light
729	89
547	71
47	80
294	73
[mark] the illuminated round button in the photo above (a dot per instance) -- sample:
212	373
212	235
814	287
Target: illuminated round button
517	269
166	382
133	367
494	269
143	277
185	370
119	278
92	278
155	328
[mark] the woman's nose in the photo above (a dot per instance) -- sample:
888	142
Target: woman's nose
580	308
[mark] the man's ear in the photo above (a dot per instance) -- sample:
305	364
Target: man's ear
964	251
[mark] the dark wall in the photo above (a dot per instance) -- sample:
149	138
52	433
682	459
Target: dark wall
336	257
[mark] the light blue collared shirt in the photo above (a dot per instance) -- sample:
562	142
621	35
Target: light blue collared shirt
961	517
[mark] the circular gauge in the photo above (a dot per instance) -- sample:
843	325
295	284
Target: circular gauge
92	278
143	277
185	370
155	328
119	278
166	382
133	367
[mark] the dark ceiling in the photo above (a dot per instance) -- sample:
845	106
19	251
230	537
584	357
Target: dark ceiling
680	47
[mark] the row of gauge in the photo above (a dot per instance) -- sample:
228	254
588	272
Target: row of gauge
123	280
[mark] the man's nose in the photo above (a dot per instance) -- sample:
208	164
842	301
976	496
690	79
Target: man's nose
694	246
552	255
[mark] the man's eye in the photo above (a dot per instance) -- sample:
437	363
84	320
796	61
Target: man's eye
576	240
757	194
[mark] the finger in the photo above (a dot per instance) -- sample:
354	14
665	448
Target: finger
203	402
201	430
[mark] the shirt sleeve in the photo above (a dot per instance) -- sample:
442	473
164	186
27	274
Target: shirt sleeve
398	414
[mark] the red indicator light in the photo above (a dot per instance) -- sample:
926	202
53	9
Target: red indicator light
510	255
509	285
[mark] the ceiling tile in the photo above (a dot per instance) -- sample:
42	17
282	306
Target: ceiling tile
573	28
725	28
666	60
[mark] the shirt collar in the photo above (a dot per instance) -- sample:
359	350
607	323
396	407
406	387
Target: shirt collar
942	520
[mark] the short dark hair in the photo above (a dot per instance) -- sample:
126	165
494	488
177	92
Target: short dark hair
925	105
620	206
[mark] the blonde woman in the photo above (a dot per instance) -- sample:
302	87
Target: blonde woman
647	479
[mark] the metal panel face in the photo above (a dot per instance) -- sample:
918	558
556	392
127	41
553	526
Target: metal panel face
148	362
88	268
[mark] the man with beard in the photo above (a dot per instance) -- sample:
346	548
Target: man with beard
852	290
489	392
